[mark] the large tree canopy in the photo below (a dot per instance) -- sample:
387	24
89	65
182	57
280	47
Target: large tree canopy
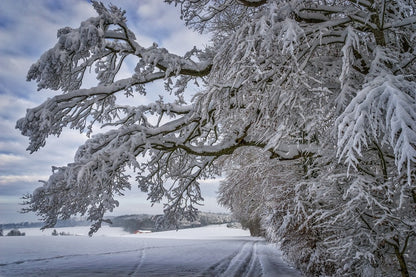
308	106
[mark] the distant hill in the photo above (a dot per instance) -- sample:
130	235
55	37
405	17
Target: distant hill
132	223
61	223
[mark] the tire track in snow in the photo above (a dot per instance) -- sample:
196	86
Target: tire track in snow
254	267
242	263
75	255
136	269
67	256
82	255
270	259
252	259
220	266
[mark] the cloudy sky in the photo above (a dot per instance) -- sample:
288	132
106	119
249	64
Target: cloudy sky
27	29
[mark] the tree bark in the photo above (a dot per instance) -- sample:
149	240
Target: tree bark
400	257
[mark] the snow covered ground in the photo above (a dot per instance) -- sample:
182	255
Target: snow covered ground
207	251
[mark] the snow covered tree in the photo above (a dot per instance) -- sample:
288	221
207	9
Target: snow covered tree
284	201
241	192
324	89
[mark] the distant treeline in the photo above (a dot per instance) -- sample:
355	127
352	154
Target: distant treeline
133	223
61	223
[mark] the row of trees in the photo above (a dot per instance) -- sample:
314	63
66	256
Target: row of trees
154	223
13	233
308	108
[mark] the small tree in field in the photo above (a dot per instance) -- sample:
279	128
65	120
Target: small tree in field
15	233
318	95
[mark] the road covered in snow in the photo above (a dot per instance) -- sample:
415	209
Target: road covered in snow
206	251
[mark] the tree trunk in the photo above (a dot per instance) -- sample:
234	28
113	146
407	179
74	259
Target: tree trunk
255	228
402	262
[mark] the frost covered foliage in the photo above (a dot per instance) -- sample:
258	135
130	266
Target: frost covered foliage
307	107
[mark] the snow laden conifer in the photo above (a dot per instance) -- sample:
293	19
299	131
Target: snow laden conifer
310	106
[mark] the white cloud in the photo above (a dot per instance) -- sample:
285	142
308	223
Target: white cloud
21	178
134	202
165	19
10	207
15	67
160	15
9	158
27	29
180	43
12	107
32	25
14	159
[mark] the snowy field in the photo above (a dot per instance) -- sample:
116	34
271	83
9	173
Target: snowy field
207	251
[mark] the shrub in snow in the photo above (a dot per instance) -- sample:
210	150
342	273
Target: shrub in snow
15	232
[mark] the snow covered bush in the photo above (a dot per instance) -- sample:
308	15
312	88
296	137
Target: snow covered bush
15	233
308	107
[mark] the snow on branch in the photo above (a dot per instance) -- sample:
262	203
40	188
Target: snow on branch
104	37
74	109
384	110
99	170
103	41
